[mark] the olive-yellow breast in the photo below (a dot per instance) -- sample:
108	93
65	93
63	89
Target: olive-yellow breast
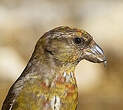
48	82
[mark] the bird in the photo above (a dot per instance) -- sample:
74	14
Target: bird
48	81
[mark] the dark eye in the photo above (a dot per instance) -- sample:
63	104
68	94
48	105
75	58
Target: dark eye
78	40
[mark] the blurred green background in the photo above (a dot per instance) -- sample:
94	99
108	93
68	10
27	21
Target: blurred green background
22	23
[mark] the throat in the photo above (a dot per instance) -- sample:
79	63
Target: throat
58	81
65	78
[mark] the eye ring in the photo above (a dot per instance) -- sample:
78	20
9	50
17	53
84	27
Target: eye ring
78	40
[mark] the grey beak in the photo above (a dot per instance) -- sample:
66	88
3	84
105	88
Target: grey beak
94	54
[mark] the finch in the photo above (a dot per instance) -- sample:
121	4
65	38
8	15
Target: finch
48	82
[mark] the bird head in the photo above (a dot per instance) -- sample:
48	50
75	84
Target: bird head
69	46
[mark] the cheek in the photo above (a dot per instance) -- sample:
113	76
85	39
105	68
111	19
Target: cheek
74	57
63	55
68	55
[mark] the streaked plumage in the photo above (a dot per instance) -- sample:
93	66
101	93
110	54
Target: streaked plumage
48	82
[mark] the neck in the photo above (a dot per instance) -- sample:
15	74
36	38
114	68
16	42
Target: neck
45	65
49	72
